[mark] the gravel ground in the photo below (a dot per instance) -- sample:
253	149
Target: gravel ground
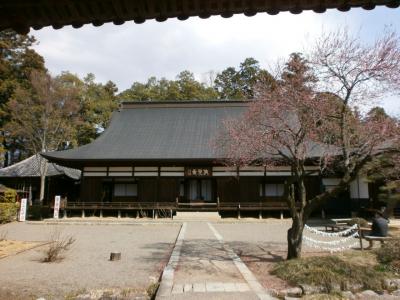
145	250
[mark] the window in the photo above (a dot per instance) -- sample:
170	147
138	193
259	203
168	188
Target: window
272	190
330	183
125	189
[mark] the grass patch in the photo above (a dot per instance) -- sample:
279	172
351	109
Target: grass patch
389	255
152	290
349	272
9	247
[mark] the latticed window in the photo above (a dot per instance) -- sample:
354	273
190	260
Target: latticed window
125	189
272	190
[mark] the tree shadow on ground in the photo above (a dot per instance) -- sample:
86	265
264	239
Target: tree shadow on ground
213	250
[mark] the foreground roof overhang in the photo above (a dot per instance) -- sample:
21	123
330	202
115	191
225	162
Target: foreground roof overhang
21	15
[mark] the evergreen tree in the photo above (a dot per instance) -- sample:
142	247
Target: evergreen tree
17	61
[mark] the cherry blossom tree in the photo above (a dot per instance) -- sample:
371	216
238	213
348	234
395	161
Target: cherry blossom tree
310	117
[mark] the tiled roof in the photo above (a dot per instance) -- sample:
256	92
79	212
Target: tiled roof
30	167
158	131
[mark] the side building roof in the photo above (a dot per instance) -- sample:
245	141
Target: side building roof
30	167
156	131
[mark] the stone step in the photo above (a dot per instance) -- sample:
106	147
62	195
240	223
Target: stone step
189	215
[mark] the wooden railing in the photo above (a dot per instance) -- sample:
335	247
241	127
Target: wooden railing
121	205
253	206
232	206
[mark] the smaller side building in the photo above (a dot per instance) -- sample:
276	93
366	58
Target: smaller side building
24	176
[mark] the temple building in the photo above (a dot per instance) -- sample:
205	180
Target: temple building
158	158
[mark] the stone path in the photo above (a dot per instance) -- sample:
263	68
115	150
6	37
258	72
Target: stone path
202	266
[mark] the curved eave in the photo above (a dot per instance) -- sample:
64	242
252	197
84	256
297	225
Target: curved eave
25	14
80	163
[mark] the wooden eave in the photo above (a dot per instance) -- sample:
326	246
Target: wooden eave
21	15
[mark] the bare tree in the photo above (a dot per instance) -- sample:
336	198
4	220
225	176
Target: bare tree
310	117
44	118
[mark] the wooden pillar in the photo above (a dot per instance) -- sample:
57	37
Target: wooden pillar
360	235
157	193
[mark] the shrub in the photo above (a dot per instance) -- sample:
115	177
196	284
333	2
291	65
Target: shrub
389	254
9	196
8	212
58	244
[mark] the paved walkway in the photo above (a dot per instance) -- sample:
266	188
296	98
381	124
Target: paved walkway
202	266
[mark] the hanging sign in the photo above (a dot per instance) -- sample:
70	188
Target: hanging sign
22	210
57	201
195	172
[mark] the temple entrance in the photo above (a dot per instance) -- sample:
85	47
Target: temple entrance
200	190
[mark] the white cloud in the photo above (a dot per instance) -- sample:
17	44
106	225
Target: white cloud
132	52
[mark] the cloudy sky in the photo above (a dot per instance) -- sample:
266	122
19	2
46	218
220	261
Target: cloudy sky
133	52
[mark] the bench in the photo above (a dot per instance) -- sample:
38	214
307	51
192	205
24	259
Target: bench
381	239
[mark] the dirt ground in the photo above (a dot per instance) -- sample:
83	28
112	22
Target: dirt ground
262	245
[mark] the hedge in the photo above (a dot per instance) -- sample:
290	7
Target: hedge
8	212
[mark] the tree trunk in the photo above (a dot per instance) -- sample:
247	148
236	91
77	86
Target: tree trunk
295	239
42	187
43	172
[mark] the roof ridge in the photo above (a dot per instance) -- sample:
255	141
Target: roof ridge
184	104
18	163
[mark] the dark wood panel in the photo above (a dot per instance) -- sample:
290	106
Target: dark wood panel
91	189
147	189
250	189
228	189
168	189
